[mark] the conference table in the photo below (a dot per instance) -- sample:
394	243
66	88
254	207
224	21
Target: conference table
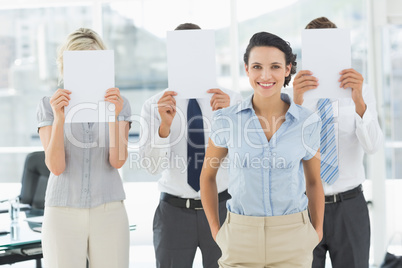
21	240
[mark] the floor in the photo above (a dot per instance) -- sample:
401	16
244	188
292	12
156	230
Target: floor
141	201
140	257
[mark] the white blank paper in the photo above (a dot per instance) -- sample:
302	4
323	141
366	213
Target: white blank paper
88	74
326	52
191	62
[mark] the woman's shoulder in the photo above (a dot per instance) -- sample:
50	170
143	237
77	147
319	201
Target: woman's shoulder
126	101
228	111
45	99
44	112
307	114
44	103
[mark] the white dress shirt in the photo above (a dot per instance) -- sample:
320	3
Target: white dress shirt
169	155
354	137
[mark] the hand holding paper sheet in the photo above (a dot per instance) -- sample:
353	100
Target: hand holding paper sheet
326	52
191	63
88	74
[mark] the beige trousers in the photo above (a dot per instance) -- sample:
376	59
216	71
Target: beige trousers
71	235
275	242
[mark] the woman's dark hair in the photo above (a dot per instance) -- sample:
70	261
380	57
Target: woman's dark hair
264	39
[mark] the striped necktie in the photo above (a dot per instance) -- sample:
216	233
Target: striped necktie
195	144
329	153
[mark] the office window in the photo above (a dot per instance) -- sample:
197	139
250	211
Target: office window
287	19
29	40
137	33
136	30
392	66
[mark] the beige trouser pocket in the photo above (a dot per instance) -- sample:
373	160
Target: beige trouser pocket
277	244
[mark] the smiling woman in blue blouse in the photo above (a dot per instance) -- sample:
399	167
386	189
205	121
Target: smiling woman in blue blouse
84	212
271	147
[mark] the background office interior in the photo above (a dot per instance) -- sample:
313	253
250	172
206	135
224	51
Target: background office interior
31	31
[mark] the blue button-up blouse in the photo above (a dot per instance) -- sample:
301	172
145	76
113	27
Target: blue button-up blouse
266	178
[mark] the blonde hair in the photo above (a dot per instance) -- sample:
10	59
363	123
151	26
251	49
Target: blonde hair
81	39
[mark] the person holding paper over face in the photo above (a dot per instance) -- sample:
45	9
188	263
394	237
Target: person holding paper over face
173	135
350	129
269	142
84	216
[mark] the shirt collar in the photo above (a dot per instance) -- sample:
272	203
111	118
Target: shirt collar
292	111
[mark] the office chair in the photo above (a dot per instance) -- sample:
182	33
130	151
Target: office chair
33	188
34	180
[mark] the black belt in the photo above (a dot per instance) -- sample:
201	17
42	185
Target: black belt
189	202
344	195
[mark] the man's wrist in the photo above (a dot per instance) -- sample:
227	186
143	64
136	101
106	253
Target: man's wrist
360	107
164	131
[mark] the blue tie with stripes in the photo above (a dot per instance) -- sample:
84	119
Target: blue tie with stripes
195	144
329	153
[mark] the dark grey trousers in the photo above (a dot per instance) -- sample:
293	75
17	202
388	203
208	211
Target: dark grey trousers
179	231
346	235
